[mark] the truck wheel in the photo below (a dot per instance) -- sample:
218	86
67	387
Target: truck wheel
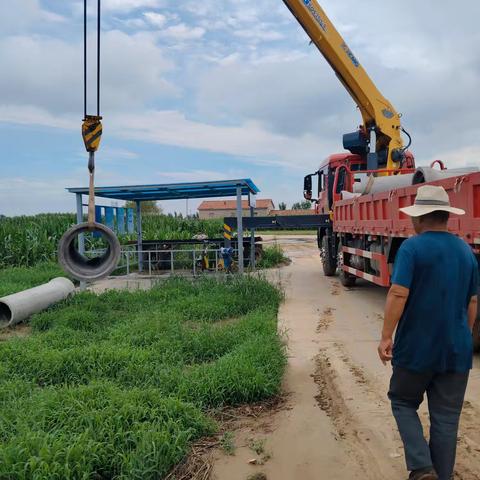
347	279
329	261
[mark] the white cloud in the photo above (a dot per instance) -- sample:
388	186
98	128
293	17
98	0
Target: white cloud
113	154
200	175
19	16
243	90
259	35
155	19
52	17
277	91
134	23
24	196
30	115
125	6
133	72
183	32
248	140
462	157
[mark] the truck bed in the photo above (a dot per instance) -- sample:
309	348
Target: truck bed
378	214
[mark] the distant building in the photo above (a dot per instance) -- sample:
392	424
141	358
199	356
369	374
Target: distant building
288	213
228	208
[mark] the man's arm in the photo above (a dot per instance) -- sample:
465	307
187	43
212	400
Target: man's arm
472	311
396	300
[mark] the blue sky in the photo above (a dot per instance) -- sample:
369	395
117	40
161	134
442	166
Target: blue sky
216	89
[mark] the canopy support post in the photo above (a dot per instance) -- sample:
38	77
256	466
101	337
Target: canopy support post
240	229
139	235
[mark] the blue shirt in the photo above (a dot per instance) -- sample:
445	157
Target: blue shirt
441	272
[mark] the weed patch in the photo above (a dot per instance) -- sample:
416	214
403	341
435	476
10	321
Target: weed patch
272	257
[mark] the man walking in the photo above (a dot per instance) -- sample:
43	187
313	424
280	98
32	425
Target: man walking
433	300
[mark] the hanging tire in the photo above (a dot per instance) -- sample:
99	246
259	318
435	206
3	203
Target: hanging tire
329	260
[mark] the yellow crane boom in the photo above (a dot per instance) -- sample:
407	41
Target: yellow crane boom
379	115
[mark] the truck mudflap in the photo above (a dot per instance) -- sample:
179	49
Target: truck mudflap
383	279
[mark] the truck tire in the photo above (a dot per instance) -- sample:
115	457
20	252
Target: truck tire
329	261
320	235
347	279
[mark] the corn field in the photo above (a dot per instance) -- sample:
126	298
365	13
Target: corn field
28	241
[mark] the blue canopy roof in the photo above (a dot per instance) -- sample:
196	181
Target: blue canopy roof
174	191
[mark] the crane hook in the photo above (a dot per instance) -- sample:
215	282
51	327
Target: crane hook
70	258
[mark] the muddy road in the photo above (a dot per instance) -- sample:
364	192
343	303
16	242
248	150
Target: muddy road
336	422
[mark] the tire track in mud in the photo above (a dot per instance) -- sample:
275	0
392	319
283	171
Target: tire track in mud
340	383
468	448
356	439
343	384
326	319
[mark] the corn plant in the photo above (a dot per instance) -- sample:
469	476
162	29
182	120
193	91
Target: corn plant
28	241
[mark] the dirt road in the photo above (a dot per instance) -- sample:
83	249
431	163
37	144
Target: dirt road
337	422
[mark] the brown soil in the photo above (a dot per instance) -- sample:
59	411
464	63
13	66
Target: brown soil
336	422
20	330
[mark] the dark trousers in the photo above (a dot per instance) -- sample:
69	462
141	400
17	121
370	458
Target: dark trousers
445	393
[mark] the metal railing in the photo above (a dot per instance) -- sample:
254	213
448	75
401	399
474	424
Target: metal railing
167	261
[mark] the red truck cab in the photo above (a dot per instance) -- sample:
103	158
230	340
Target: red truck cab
326	179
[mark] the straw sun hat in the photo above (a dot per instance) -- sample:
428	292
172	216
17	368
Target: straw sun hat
431	199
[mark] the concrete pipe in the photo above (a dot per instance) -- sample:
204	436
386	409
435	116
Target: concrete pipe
20	306
78	265
382	184
428	174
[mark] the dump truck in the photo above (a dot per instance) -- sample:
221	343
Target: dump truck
361	190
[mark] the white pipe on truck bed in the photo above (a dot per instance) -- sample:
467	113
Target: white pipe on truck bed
429	174
20	306
369	184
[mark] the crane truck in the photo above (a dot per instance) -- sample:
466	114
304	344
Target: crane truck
361	190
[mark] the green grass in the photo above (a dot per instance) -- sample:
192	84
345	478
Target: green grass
272	256
16	279
117	386
227	442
